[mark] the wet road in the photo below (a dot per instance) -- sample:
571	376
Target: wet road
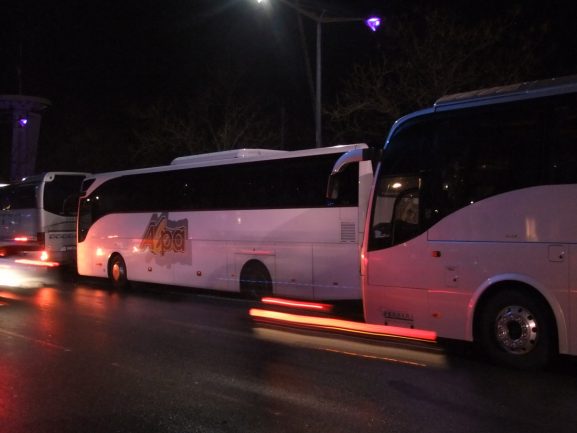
75	357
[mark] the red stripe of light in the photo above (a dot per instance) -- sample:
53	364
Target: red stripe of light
345	325
37	263
297	304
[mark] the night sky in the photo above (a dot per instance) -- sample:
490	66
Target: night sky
98	61
142	46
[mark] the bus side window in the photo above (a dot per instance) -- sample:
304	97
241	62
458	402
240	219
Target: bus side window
562	135
345	187
70	205
5	198
406	217
395	216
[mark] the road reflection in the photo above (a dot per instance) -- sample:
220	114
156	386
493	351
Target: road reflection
106	308
22	275
413	355
284	321
6	390
95	302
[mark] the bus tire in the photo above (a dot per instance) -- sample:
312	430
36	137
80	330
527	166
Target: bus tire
516	329
117	272
255	280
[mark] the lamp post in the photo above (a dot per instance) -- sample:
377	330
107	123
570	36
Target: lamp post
320	18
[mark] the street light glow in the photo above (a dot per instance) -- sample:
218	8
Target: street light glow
320	18
373	23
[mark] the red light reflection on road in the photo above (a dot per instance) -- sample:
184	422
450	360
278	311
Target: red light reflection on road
297	304
344	325
45	297
378	358
97	303
36	263
6	392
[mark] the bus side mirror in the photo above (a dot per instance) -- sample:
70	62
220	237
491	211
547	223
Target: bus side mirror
332	189
350	157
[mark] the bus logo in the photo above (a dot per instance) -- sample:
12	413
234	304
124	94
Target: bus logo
163	235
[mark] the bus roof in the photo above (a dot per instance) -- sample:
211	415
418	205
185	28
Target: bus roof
225	155
242	155
525	90
48	176
493	95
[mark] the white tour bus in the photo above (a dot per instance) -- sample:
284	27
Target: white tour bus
471	228
252	221
38	217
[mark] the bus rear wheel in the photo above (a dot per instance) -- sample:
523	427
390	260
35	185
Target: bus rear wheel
117	273
517	330
255	280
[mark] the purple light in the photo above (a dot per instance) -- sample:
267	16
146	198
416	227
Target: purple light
373	23
22	121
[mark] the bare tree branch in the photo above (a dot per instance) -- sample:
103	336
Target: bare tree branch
430	58
222	116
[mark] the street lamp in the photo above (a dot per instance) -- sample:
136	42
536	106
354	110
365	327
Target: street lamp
320	18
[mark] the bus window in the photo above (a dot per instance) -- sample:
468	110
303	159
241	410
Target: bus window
61	194
483	152
563	136
396	212
18	197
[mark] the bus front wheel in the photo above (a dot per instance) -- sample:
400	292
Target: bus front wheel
517	330
117	273
255	280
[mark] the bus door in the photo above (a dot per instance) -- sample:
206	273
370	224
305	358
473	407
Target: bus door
394	291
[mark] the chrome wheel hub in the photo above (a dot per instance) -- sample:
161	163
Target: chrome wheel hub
516	330
117	272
